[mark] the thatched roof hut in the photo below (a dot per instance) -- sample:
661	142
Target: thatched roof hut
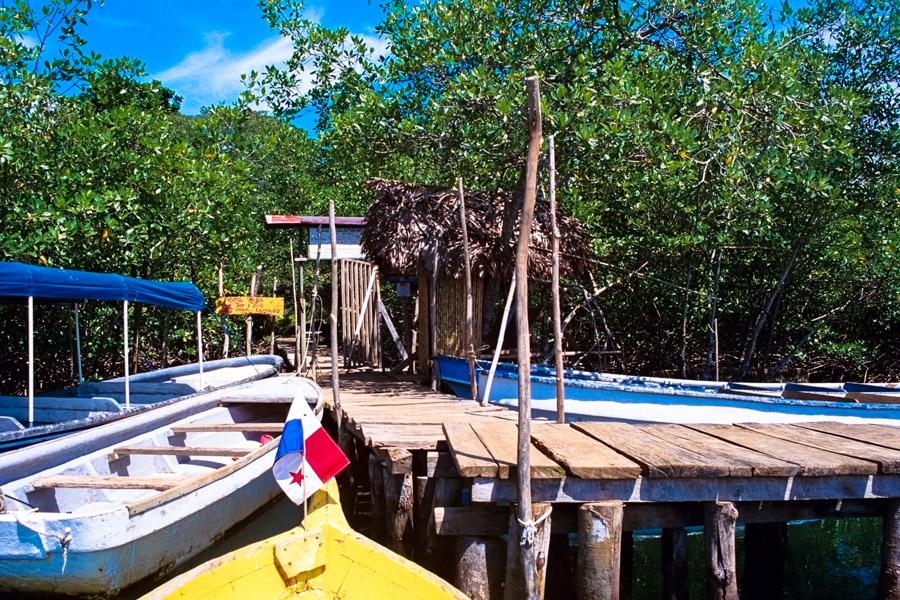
408	224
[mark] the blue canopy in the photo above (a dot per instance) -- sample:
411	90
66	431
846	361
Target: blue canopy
43	283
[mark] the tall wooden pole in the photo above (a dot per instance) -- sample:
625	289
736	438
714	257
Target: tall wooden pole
335	384
470	330
248	335
297	321
554	286
226	339
272	337
523	470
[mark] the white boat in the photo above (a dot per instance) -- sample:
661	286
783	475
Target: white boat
602	396
32	418
95	403
139	496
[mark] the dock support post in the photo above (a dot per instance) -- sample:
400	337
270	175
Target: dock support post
765	546
718	533
889	584
599	550
423	491
398	500
440	548
376	491
626	566
674	563
480	566
515	578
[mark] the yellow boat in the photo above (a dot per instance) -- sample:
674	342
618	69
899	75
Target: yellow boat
322	558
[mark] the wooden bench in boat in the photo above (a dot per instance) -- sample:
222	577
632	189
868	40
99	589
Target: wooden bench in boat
220	427
112	482
181	451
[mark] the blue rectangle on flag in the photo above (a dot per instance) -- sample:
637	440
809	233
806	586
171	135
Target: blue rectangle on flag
291	439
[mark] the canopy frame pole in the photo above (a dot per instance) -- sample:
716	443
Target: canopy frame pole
125	339
503	323
200	348
30	361
78	344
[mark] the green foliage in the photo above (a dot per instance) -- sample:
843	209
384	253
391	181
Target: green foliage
99	171
685	132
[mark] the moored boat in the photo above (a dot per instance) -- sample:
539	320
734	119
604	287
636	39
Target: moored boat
94	403
35	417
142	495
321	558
602	396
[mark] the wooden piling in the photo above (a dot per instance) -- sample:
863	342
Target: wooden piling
889	584
470	332
248	333
554	291
599	550
526	553
516	586
626	566
398	500
226	339
765	550
674	563
376	493
335	383
480	566
719	536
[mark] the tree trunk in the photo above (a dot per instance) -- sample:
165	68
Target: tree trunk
712	339
767	310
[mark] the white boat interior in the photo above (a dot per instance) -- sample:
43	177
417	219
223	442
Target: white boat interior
143	467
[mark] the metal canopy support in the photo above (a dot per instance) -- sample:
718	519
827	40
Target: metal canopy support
125	337
78	344
200	349
30	361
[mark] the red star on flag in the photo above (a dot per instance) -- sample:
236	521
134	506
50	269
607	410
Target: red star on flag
297	477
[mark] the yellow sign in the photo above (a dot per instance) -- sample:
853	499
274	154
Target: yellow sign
250	305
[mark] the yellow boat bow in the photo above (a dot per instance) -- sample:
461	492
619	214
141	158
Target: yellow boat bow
322	558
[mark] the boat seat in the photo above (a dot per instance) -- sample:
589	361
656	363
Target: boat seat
156	482
220	427
182	451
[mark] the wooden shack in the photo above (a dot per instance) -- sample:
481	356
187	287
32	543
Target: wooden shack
414	230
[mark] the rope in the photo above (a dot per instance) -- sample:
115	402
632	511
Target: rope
65	540
529	527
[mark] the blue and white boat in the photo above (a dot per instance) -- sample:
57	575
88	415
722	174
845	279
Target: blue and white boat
605	396
99	510
35	417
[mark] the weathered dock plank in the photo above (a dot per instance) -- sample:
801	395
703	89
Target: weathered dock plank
814	462
582	455
657	456
470	456
887	459
501	440
881	435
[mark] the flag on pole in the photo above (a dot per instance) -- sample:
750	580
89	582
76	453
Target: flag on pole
307	457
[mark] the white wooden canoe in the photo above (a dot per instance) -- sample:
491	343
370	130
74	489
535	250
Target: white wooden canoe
94	403
148	501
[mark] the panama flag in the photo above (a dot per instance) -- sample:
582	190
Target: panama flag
307	457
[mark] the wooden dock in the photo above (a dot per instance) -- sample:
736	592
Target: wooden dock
441	472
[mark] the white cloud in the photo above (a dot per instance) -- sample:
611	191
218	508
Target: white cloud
213	74
28	40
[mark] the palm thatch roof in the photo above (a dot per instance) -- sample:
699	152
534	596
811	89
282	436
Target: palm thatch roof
408	225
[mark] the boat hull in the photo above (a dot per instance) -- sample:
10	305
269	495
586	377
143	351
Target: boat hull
322	558
600	396
111	529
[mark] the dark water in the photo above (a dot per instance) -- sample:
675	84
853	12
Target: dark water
835	559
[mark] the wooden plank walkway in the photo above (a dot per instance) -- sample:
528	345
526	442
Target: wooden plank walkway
442	476
384	412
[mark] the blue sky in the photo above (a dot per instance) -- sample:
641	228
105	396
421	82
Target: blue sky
199	48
